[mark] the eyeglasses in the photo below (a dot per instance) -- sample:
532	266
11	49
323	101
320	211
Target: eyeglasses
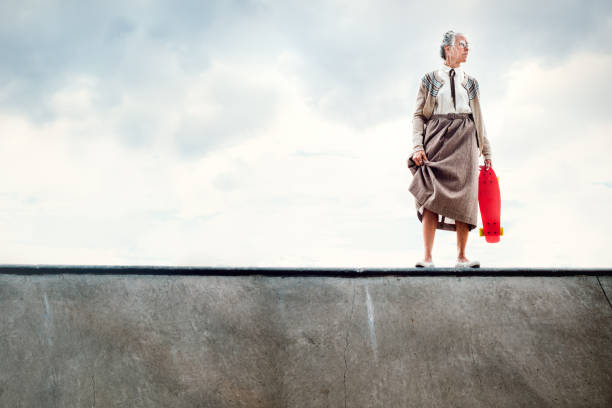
464	44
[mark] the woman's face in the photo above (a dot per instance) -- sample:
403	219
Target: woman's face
458	53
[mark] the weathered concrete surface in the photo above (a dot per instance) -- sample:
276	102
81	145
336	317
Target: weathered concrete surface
156	341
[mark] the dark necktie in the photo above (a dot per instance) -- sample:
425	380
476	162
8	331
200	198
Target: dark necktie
452	78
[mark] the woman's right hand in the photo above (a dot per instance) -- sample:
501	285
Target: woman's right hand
419	157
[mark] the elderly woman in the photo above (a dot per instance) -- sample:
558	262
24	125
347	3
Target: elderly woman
448	136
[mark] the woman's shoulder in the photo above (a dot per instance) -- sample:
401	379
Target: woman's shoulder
432	76
470	77
471	84
432	82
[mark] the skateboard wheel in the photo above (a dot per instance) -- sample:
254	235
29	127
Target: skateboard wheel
481	232
501	231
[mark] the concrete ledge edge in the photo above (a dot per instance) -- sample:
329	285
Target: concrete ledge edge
24	269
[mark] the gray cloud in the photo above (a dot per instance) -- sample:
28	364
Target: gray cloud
241	108
137	129
45	45
352	55
356	60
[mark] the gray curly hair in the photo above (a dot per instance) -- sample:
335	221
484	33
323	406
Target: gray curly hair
448	39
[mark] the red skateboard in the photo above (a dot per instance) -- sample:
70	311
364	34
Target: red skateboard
489	201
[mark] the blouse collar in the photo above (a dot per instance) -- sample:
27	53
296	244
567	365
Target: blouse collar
445	69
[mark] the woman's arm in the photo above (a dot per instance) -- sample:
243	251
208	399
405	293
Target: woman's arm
486	149
486	145
418	119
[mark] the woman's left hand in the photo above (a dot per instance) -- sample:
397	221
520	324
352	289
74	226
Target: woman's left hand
487	164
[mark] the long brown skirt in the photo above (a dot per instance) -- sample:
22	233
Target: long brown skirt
448	184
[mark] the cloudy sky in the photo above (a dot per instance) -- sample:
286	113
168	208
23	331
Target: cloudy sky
276	133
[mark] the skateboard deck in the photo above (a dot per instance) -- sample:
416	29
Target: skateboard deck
489	201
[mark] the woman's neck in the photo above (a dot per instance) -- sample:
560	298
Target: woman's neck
452	64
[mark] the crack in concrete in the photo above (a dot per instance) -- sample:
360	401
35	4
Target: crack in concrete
55	385
604	291
93	384
347	341
474	363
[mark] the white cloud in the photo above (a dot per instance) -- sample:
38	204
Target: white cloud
551	146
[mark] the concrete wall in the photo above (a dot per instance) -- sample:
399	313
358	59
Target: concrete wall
253	341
